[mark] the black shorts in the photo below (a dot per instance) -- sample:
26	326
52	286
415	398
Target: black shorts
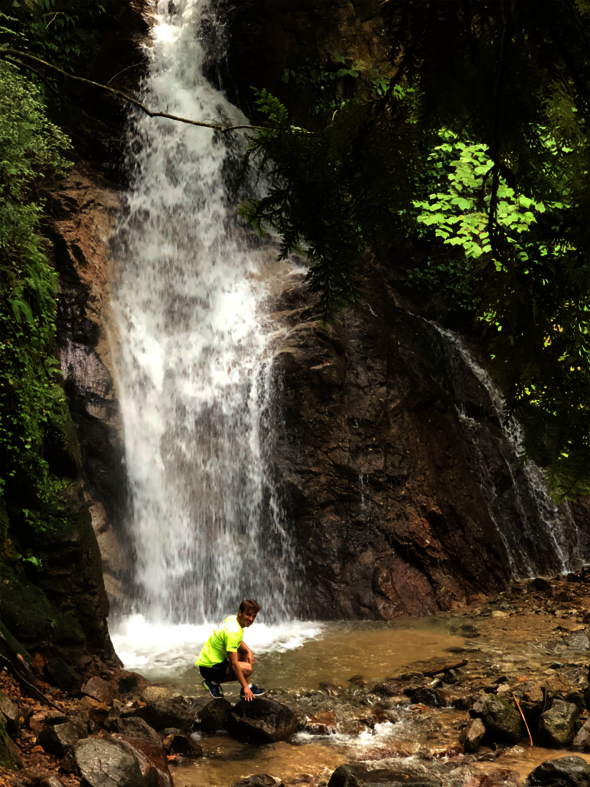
217	672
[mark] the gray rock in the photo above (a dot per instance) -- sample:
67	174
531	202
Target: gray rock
51	780
104	764
262	721
134	727
557	725
11	713
149	757
472	735
166	713
502	721
563	772
360	775
578	640
215	715
58	738
582	739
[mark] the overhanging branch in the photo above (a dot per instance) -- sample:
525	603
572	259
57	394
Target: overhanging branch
15	53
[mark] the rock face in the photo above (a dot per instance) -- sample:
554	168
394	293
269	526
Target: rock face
564	772
557	725
472	735
262	721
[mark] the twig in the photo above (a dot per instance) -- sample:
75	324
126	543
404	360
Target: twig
431	673
118	74
523	718
125	97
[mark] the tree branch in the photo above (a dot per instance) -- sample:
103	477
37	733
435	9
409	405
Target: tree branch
123	96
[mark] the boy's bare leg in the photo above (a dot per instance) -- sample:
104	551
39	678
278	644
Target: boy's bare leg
230	675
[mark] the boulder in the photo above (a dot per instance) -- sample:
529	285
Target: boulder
182	744
166	713
151	757
543	585
215	715
359	776
155	694
472	735
99	689
563	772
134	727
58	738
557	725
104	764
502	721
60	673
262	721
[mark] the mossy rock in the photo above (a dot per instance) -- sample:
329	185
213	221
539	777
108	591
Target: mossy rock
61	446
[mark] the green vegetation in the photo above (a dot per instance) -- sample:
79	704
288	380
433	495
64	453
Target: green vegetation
486	161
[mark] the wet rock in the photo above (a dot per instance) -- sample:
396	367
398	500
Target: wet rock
155	694
472	735
386	689
557	725
321	724
582	739
360	775
469	631
182	744
502	721
215	715
262	721
257	780
134	727
166	713
104	764
424	696
578	640
58	738
563	772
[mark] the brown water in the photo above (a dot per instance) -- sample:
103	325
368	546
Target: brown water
371	649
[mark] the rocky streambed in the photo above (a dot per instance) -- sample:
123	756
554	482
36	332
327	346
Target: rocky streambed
465	718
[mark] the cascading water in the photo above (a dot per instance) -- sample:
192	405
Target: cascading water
192	372
539	537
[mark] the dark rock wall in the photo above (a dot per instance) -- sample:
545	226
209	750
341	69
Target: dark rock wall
372	457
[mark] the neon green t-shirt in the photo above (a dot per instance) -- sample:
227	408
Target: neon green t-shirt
225	638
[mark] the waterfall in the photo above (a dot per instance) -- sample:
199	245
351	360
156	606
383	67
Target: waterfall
193	370
539	536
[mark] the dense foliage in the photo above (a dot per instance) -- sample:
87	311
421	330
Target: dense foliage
31	148
502	196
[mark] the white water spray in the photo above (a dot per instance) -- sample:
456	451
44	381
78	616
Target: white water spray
193	371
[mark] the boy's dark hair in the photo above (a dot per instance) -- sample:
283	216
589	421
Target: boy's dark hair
250	604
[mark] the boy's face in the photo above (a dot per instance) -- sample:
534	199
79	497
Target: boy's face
246	618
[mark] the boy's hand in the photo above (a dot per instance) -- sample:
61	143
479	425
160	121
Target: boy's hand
248	696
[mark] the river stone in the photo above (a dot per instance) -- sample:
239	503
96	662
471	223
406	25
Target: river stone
472	735
578	640
556	726
502	721
134	727
104	764
582	739
262	721
257	780
215	715
359	775
563	772
155	694
166	713
423	696
58	738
